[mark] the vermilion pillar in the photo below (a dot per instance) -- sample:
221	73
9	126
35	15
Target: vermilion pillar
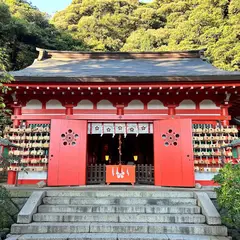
172	109
120	109
69	109
224	113
17	110
11	177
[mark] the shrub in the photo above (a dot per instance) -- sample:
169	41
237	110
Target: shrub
228	194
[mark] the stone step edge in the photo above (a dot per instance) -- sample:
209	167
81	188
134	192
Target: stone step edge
113	236
119	201
117	214
114	205
117	190
138	209
120	218
119	198
46	227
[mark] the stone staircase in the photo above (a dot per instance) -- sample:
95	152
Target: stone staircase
122	215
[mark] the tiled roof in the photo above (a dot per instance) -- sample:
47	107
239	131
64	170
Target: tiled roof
159	68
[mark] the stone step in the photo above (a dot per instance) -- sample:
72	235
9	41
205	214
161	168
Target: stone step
118	209
119	201
121	218
128	193
115	236
147	228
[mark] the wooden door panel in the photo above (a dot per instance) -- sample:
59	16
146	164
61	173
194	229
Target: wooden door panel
67	163
188	176
173	153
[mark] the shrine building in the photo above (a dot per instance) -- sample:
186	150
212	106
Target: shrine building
154	118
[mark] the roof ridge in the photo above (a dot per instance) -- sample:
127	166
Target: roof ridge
78	55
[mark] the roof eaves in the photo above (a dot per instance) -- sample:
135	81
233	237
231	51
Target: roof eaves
130	79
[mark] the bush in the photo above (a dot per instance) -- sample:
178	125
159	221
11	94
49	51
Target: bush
228	194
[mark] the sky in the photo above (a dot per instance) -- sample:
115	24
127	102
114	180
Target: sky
51	6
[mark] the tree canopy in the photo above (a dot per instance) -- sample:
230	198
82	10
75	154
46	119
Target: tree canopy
124	25
161	25
22	28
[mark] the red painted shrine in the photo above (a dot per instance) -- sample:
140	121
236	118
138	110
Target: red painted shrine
140	118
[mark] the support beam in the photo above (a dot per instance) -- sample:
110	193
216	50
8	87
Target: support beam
114	117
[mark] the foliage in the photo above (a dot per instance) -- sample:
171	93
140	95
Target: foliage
123	25
6	161
161	25
4	78
23	28
8	209
228	194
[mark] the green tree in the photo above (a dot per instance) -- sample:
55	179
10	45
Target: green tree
161	25
126	25
103	25
23	28
4	78
147	40
228	194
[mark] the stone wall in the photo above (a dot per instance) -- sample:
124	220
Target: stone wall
19	197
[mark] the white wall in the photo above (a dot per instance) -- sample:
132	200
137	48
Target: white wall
33	104
208	104
187	104
156	104
84	104
135	104
54	104
105	104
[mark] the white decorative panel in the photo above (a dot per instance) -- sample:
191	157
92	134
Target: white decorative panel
97	128
132	128
89	128
54	104
33	104
187	104
151	128
135	104
108	128
105	104
84	104
143	128
120	128
207	176
208	104
155	104
32	175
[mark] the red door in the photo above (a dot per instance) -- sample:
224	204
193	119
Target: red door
173	153
67	153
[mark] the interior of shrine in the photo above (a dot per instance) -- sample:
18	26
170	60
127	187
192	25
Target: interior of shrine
135	149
